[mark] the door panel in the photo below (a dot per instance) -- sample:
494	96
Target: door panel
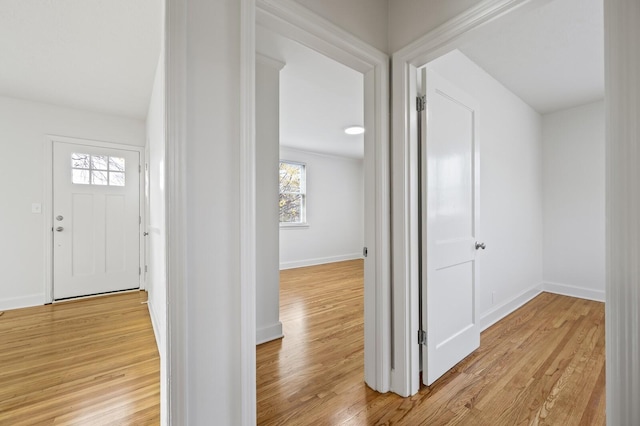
96	209
115	233
452	290
82	248
449	215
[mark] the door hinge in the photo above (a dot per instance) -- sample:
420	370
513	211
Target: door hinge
146	268
139	168
365	251
139	270
139	220
421	102
422	337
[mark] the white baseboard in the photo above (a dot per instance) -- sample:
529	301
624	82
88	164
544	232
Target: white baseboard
22	302
269	333
496	314
574	291
319	261
156	329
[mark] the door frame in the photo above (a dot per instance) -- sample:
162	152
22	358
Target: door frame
405	378
294	22
47	208
303	26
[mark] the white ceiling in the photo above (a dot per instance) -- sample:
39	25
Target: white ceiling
98	55
552	57
102	55
319	98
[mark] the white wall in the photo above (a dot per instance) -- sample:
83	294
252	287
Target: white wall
366	19
574	203
335	214
156	278
212	162
156	227
510	269
268	325
23	128
411	19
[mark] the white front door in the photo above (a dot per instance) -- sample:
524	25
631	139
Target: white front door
96	220
449	226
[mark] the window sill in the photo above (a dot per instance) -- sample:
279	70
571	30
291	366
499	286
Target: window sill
294	225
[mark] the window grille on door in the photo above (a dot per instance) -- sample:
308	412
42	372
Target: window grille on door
87	169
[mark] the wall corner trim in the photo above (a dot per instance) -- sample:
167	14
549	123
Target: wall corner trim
248	404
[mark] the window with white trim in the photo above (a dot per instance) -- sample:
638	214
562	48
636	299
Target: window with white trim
87	169
293	193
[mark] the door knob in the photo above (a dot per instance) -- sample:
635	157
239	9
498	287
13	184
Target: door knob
480	246
59	218
59	229
145	233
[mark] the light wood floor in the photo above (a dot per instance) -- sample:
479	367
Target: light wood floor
541	365
86	362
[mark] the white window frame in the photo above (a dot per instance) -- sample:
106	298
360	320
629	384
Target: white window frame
90	169
303	190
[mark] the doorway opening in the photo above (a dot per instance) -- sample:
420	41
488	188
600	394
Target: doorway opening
524	127
372	66
319	221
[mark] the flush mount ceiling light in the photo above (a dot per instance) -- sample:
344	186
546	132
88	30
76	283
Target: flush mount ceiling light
354	130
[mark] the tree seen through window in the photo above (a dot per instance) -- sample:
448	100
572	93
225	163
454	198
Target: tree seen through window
292	192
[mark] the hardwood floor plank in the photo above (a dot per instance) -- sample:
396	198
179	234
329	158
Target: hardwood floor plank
543	364
85	362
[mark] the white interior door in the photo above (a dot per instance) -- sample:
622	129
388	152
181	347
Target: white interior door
449	226
96	220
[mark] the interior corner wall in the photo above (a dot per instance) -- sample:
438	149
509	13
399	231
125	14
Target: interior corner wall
268	325
510	140
574	201
23	127
365	19
411	19
335	212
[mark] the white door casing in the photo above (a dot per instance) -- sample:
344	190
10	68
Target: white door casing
96	227
437	42
334	42
449	225
293	21
370	247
